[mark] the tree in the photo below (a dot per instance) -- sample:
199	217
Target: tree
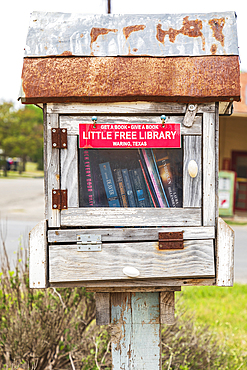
7	120
21	133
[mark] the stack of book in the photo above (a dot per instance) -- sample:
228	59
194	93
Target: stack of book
147	181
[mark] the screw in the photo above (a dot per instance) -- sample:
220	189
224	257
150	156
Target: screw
54	130
64	144
54	144
55	206
192	107
63	130
163	118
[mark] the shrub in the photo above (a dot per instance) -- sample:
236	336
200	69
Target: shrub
46	328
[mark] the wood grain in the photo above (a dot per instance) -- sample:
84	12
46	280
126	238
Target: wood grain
72	122
208	169
69	171
124	108
134	289
224	254
135	331
103	309
195	260
98	217
53	171
38	264
129	234
156	284
167	308
192	187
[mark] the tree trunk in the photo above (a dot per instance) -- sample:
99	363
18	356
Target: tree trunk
5	167
24	161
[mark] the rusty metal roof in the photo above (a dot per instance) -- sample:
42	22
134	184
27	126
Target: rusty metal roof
139	35
126	78
179	57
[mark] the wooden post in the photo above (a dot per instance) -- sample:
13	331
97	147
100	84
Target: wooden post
136	342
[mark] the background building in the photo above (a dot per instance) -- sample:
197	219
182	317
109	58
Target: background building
233	145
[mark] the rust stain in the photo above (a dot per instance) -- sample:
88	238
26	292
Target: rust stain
213	49
56	232
66	53
217	26
128	30
190	28
109	79
81	35
135	50
96	32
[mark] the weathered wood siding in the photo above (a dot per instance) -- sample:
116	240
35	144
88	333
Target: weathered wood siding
195	260
224	254
38	262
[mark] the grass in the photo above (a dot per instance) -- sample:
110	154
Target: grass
225	311
31	172
236	223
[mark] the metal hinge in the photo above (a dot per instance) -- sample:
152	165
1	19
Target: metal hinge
59	199
171	240
89	242
59	138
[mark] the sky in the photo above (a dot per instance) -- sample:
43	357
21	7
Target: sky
14	22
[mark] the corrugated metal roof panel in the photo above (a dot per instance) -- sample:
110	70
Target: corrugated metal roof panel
105	79
53	34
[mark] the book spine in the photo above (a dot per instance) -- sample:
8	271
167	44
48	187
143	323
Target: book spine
121	188
150	194
128	188
99	189
140	188
133	187
166	176
160	181
149	181
154	178
109	185
90	201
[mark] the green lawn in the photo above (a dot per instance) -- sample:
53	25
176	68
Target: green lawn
224	310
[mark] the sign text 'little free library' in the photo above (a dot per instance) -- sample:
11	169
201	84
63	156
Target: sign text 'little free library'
129	135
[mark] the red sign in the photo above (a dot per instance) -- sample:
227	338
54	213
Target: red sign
130	135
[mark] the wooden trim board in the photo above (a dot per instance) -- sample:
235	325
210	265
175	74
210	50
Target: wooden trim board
125	217
129	234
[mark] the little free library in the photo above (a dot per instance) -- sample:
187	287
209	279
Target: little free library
131	109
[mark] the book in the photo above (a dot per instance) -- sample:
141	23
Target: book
148	180
155	177
150	194
128	188
120	187
86	179
139	188
108	181
168	181
100	199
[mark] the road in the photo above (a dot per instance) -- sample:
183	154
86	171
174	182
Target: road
22	207
240	254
